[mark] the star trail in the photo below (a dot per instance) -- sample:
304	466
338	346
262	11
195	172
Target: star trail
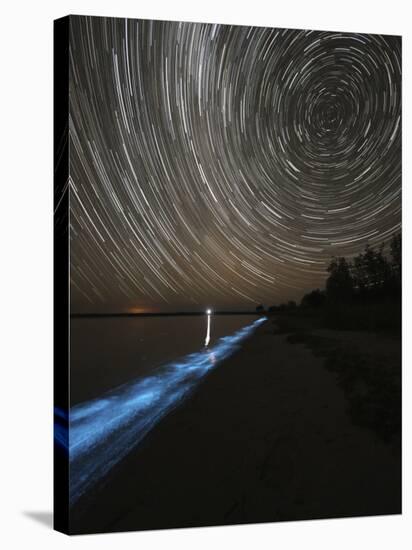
224	165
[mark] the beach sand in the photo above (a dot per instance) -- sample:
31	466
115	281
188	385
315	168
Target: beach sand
265	437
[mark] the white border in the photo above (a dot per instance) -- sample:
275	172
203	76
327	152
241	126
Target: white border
26	268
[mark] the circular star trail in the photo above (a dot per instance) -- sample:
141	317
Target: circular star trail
225	165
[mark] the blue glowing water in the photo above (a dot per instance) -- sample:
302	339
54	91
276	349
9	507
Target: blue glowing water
104	430
107	352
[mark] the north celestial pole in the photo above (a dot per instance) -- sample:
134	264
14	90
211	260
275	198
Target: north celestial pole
225	165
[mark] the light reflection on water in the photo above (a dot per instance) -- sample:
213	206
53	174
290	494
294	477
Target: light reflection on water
106	352
104	430
207	340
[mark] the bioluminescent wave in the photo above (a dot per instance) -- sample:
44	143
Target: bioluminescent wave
104	430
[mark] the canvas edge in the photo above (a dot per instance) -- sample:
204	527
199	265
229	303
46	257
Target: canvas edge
61	28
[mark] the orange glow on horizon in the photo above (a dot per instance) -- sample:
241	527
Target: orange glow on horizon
137	309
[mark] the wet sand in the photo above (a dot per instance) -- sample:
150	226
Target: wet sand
265	437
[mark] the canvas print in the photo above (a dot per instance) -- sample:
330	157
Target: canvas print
227	274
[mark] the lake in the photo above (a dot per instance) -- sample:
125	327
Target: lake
129	372
108	351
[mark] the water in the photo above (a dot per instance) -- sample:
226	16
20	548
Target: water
108	351
105	429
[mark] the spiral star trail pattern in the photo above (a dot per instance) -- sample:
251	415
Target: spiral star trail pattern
225	165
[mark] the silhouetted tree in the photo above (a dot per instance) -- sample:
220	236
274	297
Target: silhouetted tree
372	277
377	267
339	285
359	274
315	298
291	304
372	273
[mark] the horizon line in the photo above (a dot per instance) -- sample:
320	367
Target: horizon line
164	314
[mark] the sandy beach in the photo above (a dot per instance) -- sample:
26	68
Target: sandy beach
267	436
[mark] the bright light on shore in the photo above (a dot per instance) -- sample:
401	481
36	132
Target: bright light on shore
207	341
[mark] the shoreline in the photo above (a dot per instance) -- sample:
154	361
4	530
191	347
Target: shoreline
163	314
266	436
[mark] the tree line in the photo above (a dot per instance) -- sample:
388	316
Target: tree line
371	276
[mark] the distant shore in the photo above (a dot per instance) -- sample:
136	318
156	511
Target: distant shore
164	314
272	434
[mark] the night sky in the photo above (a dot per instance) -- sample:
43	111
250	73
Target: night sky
223	166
